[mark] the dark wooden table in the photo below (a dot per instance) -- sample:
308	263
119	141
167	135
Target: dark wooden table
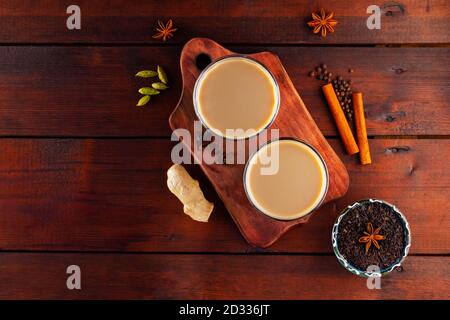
83	171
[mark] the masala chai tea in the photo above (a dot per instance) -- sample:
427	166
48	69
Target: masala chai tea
238	94
295	188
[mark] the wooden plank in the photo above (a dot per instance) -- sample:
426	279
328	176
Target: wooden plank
236	21
163	276
92	91
83	91
111	195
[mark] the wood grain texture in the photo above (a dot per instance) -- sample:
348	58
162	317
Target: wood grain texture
236	21
92	91
163	276
111	195
292	121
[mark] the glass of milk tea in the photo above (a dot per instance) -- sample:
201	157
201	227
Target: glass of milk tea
286	179
236	97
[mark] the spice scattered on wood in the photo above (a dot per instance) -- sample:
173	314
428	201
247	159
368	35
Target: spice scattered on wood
188	191
146	74
322	22
155	88
143	101
350	107
343	127
344	92
165	31
159	86
371	236
342	88
162	74
149	91
361	131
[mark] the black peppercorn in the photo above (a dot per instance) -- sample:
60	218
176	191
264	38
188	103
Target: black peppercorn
341	87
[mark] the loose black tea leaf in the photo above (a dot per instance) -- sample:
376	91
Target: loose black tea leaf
354	224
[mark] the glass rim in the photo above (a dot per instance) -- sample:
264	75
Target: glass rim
202	75
327	178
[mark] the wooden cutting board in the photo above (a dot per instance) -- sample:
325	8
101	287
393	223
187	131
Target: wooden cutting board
293	120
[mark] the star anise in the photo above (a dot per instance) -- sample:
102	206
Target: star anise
165	31
322	23
371	236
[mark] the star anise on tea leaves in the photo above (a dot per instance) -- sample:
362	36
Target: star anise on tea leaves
371	236
322	22
165	31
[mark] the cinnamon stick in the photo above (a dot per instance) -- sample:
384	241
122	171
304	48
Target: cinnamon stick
341	122
361	132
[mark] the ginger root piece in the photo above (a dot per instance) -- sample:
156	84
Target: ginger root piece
188	191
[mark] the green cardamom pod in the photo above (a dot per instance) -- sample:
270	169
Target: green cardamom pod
143	101
162	75
159	86
146	74
148	91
